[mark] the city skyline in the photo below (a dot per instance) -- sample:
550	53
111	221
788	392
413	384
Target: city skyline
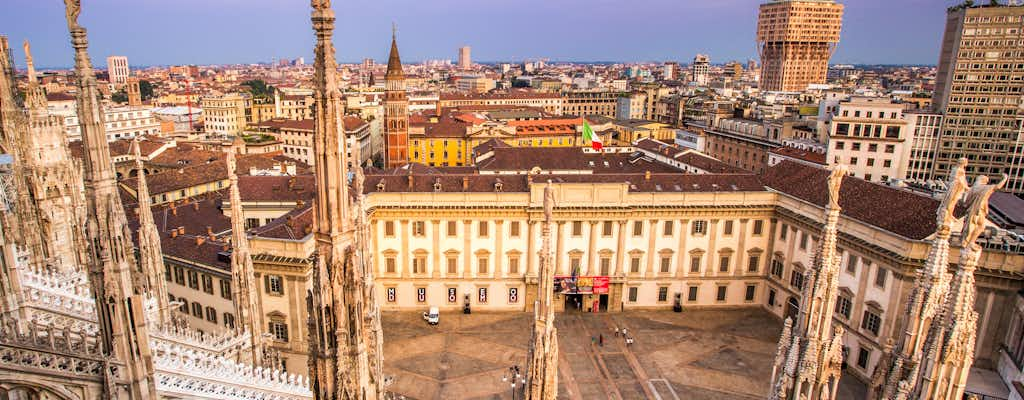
867	24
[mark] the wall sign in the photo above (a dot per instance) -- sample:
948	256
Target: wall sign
452	295
513	295
482	297
391	294
421	295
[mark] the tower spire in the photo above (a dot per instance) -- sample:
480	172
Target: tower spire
542	371
35	98
120	311
247	306
345	342
900	365
396	110
951	342
151	258
809	367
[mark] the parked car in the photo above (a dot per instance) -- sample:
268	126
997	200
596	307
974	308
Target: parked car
432	316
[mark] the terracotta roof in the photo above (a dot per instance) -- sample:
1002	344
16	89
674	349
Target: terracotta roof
688	156
638	182
59	96
294	225
277	188
353	123
569	158
514	94
897	211
799	154
195	175
290	124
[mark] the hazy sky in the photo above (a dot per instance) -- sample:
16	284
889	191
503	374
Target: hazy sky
158	32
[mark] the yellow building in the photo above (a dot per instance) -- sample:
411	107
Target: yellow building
630	131
449	140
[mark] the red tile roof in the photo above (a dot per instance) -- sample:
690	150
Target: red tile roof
898	211
799	154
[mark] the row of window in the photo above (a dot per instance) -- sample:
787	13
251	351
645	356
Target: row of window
273	284
692	291
872	147
697	227
420	264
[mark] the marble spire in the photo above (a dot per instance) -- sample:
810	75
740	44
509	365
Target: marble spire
111	261
542	368
808	365
898	367
345	338
950	345
247	305
151	257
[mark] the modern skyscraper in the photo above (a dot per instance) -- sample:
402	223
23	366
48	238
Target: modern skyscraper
700	68
396	111
979	88
117	69
464	60
796	38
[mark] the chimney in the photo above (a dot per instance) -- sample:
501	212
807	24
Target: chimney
174	233
174	209
465	183
299	203
181	230
195	206
225	248
200	240
209	230
410	182
647	175
529	179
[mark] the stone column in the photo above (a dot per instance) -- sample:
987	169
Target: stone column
711	266
741	249
591	251
681	254
499	232
652	230
467	248
435	239
620	250
403	234
559	248
531	249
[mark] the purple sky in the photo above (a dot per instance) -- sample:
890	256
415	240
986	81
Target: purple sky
157	32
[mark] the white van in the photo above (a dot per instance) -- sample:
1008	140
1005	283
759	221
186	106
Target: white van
433	316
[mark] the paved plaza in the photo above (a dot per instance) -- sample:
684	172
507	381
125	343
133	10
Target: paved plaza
698	355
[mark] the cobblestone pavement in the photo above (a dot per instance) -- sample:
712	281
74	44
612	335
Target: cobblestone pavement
699	355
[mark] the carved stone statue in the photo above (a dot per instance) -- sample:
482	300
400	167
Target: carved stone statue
977	213
72	8
549	201
835	181
957	186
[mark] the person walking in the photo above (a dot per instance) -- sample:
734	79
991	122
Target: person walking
616	331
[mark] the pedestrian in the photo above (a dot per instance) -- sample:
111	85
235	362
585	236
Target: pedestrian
624	332
600	340
616	331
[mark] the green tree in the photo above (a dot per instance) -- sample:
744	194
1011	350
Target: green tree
146	89
119	97
259	88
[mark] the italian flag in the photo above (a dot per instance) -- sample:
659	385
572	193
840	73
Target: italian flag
589	136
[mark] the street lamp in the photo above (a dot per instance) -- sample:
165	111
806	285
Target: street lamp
514	377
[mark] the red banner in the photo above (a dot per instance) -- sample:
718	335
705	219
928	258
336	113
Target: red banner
581	284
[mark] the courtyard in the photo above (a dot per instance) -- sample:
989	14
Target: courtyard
696	354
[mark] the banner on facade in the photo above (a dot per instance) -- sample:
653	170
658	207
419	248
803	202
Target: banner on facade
567	284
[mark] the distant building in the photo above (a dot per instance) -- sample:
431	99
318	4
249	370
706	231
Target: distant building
224	115
117	70
796	39
583	103
923	132
631	106
464	59
475	84
978	86
700	68
396	112
122	122
670	71
868	135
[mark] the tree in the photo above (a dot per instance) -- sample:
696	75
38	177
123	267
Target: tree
146	90
119	97
259	88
